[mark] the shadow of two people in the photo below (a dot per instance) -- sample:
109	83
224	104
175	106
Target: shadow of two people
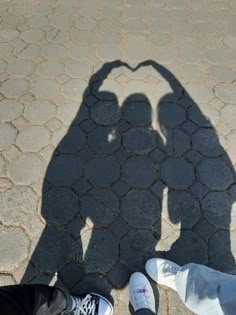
104	188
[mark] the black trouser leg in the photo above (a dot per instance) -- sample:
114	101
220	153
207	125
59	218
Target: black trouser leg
33	300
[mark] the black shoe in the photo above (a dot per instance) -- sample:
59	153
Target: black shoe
91	304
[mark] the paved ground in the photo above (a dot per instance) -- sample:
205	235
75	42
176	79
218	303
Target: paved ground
104	166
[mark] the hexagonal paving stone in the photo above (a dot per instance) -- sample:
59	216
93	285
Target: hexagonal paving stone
215	174
69	141
96	258
7	280
8	34
61	21
139	172
5	49
25	50
85	23
14	88
32	35
58	36
64	170
139	140
10	110
2	167
204	115
200	92
105	112
188	248
72	113
50	69
26	169
183	207
46	88
206	141
79	69
221	251
228	114
3	66
40	111
18	204
104	140
140	208
216	208
102	171
221	73
231	142
54	51
59	205
33	138
21	68
15	251
74	88
177	172
53	250
37	21
137	247
8	135
82	37
171	114
100	206
137	113
226	92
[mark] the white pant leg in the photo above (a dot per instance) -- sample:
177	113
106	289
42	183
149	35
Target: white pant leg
206	291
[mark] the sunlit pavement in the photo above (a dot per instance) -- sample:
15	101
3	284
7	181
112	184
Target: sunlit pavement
182	185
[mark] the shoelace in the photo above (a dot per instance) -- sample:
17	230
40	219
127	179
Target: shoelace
85	306
168	270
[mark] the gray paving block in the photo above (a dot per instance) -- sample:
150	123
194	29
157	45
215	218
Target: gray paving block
104	140
45	88
105	112
15	252
228	114
140	208
177	172
54	250
96	259
183	207
139	172
215	174
226	92
14	88
33	138
26	169
102	171
64	170
54	51
101	206
40	111
139	140
17	205
206	141
59	205
137	113
171	114
8	135
21	68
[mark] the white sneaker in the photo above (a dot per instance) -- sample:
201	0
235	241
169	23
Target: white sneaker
140	293
162	271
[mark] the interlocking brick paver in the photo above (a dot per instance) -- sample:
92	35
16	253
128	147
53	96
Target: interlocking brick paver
33	138
18	204
8	135
14	88
132	153
26	169
14	252
60	205
221	175
206	141
40	111
10	110
139	140
137	202
104	140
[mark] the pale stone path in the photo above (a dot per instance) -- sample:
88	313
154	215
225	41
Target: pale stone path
98	176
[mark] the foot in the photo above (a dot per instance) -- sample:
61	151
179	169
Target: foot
140	293
91	304
162	271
